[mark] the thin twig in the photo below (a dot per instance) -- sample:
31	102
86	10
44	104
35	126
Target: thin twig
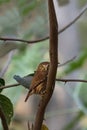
3	119
68	61
21	40
9	86
47	37
74	20
61	80
72	80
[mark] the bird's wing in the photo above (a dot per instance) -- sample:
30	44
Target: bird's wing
37	80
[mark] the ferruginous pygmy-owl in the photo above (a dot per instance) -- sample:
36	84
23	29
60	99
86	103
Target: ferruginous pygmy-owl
39	81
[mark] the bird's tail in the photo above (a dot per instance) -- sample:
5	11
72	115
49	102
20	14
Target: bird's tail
30	92
27	96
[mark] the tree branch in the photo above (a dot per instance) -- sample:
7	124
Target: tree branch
68	61
71	80
47	37
74	20
9	86
60	80
53	45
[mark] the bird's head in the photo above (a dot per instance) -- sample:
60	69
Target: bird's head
43	66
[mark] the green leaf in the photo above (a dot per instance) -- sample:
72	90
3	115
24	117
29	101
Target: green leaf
7	107
2	83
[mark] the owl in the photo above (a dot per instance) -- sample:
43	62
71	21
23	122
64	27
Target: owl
39	81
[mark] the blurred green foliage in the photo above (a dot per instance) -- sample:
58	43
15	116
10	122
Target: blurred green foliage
82	2
4	1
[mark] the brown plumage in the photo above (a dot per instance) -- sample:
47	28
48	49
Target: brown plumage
38	83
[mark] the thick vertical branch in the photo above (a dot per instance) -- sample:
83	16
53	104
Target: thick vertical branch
53	50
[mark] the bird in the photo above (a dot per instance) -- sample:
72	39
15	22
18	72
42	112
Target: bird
39	81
